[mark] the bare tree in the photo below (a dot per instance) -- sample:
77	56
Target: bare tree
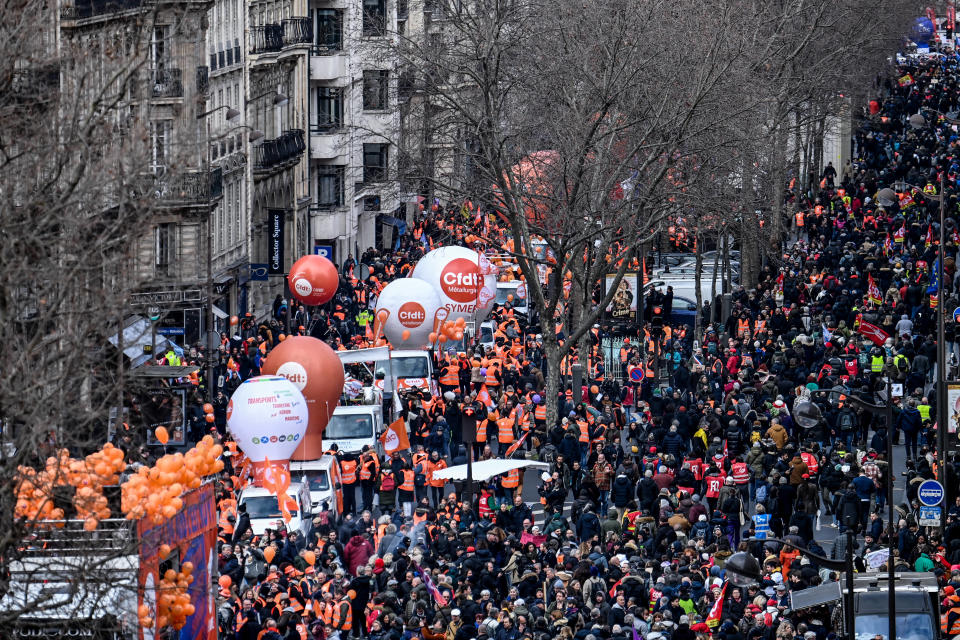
76	193
570	123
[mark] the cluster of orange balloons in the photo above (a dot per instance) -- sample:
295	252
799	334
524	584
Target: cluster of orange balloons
276	478
34	490
156	491
449	330
208	411
143	616
173	601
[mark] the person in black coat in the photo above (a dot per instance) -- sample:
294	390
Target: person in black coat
242	525
647	491
620	491
588	526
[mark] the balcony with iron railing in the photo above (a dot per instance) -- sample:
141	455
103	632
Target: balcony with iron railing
275	153
84	9
166	83
266	38
297	31
185	188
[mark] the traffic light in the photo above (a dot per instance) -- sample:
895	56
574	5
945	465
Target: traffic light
656	321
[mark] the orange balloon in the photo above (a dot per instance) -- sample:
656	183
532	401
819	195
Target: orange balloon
282	337
594	389
316	370
509	297
443	339
310	557
313	280
225	582
207	407
234	320
210	418
269	553
162	436
432	337
406	334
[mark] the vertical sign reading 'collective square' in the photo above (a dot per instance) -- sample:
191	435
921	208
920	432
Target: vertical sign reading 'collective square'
275	235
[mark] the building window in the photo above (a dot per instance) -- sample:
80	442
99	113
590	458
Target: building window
329	108
374	17
330	186
159	144
159	48
375	162
164	249
376	90
329	31
371	203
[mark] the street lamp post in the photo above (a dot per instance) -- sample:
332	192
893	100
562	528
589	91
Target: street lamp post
743	570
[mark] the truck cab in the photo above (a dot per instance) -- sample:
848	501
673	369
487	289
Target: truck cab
264	509
409	368
322	478
352	427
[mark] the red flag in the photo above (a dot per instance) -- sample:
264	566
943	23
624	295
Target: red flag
516	445
929	239
716	611
900	234
876	335
394	438
873	291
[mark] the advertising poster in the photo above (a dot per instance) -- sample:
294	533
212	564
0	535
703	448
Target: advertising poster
623	307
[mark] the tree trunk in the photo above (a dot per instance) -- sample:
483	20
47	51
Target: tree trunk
551	352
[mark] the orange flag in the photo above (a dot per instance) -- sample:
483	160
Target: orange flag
394	438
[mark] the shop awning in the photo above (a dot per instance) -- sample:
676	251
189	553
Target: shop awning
486	469
815	596
220	313
136	336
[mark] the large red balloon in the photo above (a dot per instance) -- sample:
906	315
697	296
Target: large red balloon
313	280
316	370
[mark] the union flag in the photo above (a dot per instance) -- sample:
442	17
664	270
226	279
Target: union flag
873	291
872	332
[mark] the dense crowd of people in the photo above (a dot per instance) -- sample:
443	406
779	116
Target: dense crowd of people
649	489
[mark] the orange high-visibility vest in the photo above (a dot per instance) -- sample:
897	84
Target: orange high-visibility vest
438	482
407	481
798	217
743	328
342	616
512	479
491	380
540	413
505	431
760	325
348	471
584	431
452	377
482	430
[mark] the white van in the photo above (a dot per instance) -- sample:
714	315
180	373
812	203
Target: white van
322	478
352	427
264	510
409	368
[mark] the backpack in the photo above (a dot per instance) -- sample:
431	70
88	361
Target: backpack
845	421
762	494
389	483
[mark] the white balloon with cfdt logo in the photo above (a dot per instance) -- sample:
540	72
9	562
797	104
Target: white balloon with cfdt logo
465	280
267	416
410	307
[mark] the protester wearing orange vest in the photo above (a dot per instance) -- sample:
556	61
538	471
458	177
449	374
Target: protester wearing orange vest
406	489
348	475
436	484
369	469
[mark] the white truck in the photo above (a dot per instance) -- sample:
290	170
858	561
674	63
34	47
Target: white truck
352	427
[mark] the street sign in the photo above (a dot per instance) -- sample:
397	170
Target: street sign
929	517
956	314
153	313
930	493
324	250
896	390
636	374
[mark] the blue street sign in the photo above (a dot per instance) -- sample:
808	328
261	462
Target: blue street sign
324	250
930	493
170	331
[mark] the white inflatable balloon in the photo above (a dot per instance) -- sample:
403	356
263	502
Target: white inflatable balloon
465	280
412	305
267	416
